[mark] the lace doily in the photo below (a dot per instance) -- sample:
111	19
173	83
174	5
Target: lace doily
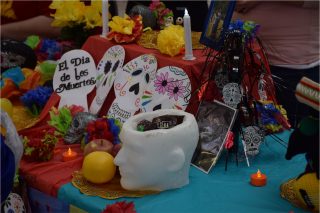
110	190
149	40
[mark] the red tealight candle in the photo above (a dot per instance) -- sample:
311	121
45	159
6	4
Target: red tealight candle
258	179
69	155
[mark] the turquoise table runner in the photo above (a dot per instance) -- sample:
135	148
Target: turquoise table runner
220	191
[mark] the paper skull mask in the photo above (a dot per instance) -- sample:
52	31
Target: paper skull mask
253	137
107	69
170	89
231	94
130	84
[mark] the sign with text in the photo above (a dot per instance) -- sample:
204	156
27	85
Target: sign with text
74	78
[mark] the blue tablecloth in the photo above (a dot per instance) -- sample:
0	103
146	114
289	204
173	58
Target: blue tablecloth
220	191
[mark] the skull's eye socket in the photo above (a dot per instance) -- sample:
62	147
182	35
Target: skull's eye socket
256	140
115	67
137	72
107	67
76	123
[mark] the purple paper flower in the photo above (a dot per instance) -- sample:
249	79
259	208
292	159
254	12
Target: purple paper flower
162	83
176	90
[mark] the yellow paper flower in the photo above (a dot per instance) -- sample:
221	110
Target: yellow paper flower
97	5
68	13
171	40
122	25
56	4
92	18
6	9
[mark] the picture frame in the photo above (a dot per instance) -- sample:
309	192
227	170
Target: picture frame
217	23
214	119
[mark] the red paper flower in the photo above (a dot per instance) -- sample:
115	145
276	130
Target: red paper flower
120	207
99	129
74	109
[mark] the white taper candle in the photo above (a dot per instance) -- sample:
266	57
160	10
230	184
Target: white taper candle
187	36
105	18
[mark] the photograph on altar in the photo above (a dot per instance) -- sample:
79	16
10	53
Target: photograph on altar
214	119
217	23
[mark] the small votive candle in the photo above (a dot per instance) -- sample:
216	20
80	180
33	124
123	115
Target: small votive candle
258	179
69	155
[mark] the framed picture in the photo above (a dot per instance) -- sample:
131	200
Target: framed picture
217	23
214	119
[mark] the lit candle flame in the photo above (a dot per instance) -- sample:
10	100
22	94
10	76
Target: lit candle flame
258	174
69	151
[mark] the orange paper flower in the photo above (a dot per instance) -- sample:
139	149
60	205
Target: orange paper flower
126	37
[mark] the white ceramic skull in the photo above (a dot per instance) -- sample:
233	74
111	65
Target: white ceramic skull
252	137
231	94
77	127
168	21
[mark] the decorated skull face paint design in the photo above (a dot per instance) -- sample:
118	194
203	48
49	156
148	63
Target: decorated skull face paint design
78	125
107	68
252	137
129	85
231	94
170	89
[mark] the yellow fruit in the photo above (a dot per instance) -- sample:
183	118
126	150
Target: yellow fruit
98	167
6	105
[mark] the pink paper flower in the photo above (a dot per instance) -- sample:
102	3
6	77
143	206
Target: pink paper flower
162	83
176	90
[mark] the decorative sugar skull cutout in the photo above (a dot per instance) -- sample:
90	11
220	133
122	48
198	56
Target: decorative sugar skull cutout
74	78
130	84
170	89
252	137
231	94
221	78
262	84
78	126
108	66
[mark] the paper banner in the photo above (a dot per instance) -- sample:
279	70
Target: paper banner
129	85
74	78
109	65
170	89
